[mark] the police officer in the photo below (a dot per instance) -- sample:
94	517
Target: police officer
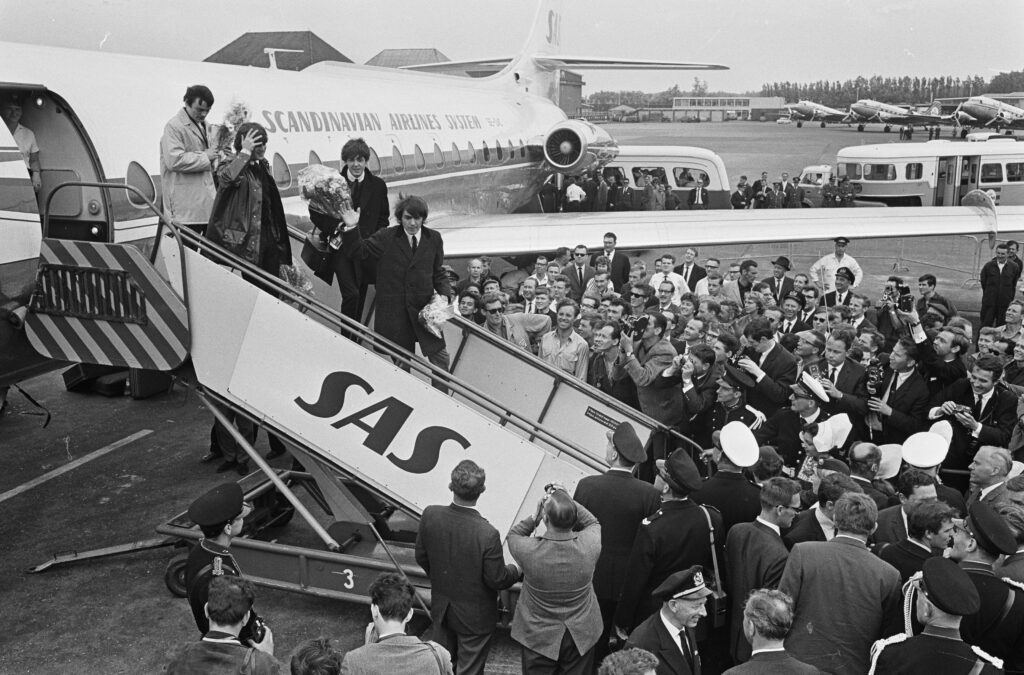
945	594
220	514
830	194
998	625
845	192
674	538
731	405
729	491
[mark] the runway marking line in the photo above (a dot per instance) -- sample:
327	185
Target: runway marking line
59	471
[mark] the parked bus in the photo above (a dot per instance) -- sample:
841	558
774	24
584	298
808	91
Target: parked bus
677	166
935	173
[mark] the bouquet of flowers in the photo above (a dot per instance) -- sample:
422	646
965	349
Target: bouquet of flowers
222	135
325	190
436	312
297	278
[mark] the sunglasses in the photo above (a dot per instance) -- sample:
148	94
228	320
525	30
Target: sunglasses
580	255
639	295
496	310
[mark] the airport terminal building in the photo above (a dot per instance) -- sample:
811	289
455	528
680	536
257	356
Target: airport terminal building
723	108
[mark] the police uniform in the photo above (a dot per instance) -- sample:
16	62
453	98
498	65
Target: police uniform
937	649
830	195
678	653
729	491
208	559
722	414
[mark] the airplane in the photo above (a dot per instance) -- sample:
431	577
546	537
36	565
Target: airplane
867	110
809	111
472	147
982	111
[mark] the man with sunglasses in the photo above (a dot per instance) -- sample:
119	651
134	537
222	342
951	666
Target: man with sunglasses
578	272
522	329
756	555
220	514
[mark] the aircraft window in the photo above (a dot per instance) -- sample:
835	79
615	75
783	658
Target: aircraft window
511	151
421	161
914	171
397	160
487	153
499	151
282	172
848	170
991	173
686	177
373	164
139	178
1014	172
471	153
522	148
314	158
438	155
456	155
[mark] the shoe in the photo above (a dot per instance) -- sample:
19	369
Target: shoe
242	468
275	453
226	466
209	457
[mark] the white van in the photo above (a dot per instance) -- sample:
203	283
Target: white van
678	166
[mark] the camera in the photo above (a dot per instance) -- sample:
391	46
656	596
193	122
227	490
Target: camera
635	324
901	297
255	630
874	376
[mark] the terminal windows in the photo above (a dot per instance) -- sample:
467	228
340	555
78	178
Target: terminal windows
914	171
1014	172
991	173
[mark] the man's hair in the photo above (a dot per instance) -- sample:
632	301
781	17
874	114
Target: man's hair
759	329
911	479
928	279
622	304
632	661
200	91
467	480
1001	457
414	206
229	598
316	657
704	354
928	517
602	260
667	256
244	129
991	364
689	297
355	148
910	348
615	326
560	510
714	276
467	294
568	302
393	596
847	337
659	321
778	491
834	486
539	258
813	289
611	235
729	341
713	306
1013	515
757	298
769	465
670	284
960	340
747	264
864	458
770	612
856	513
1001	245
488	298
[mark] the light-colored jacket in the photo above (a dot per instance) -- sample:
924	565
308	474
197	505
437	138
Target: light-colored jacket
186	174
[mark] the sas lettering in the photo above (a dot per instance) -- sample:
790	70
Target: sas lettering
390	414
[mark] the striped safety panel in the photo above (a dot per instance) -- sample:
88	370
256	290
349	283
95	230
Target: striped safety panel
105	304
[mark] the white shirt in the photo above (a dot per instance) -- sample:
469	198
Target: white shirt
827	526
676	280
701	289
987	490
574	193
26	141
672	631
773	526
825	271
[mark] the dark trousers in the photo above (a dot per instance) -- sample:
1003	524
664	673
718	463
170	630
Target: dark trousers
350	275
222	439
570	661
607	608
469	650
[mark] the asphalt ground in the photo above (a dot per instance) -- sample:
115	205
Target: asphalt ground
117	616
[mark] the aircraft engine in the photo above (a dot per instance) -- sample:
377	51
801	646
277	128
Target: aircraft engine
963	119
575	145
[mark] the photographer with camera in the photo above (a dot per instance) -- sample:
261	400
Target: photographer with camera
557	621
899	402
221	650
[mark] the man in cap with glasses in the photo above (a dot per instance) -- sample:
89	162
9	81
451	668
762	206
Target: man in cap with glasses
823	272
782	430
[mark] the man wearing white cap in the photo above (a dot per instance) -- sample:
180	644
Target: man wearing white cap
729	491
782	430
926	451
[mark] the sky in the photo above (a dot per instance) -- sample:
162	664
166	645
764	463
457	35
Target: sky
772	40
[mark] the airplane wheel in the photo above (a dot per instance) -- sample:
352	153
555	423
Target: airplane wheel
963	133
822	125
886	128
174	575
799	125
860	127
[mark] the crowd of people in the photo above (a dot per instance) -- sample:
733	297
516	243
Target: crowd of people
875	449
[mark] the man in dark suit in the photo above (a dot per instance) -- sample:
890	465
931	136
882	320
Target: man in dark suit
698	198
370	199
989	470
619	502
816	524
461	553
697	375
782	430
669	633
755	555
865	459
689	270
845	382
980	412
773	372
842	294
913	487
834	635
929	527
728	490
578	272
792	305
899	406
779	283
409	259
740	198
998	285
767	619
998	625
761	192
618	270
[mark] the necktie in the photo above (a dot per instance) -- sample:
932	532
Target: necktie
686	274
832	374
977	407
414	243
579	271
354	191
690	650
786	327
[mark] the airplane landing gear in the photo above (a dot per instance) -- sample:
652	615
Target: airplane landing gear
822	125
887	128
799	125
963	133
860	127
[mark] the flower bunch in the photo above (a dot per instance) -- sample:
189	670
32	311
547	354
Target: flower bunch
325	190
223	135
436	312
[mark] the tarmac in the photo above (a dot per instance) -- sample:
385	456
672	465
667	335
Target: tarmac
107	471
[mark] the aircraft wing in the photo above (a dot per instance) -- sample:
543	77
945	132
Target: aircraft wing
561	61
515	234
